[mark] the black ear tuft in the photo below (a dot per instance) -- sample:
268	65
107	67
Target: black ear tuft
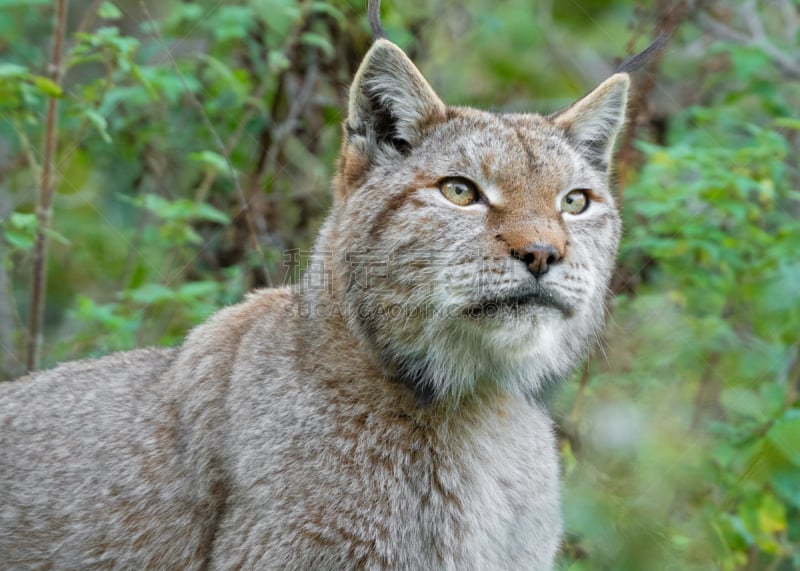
374	13
636	61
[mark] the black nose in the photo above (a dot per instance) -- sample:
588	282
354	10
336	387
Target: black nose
538	257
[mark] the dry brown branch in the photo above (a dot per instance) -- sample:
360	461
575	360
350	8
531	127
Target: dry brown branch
7	345
793	374
44	208
277	136
274	135
787	62
670	17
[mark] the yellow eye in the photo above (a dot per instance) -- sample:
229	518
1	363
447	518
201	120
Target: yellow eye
575	201
459	191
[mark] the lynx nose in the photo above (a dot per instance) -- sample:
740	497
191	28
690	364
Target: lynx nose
538	257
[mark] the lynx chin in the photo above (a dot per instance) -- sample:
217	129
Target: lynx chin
388	419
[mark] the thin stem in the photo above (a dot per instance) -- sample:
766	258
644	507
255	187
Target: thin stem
577	407
27	150
707	391
44	208
793	374
211	175
89	16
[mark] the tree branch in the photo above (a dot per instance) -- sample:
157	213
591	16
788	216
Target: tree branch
44	208
758	38
8	362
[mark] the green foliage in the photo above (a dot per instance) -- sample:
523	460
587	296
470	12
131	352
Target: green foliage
19	231
196	143
167	130
696	461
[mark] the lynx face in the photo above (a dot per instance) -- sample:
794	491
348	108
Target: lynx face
471	250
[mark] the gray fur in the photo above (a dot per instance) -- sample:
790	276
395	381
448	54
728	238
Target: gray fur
310	428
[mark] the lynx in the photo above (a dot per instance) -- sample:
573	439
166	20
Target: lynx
382	414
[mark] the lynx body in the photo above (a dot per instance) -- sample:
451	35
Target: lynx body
387	419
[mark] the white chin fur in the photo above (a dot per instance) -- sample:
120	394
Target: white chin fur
517	355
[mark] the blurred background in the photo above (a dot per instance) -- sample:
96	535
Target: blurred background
194	146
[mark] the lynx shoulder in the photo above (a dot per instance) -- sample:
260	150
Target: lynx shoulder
387	419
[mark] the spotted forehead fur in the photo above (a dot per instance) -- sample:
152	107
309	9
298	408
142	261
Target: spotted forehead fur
519	153
525	159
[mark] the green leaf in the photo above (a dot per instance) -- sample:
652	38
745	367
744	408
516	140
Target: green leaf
785	435
149	294
19	230
99	122
278	15
788	122
44	85
232	23
18	240
194	290
136	72
278	62
318	41
185	12
787	485
771	515
57	237
208	212
329	9
8	70
23	221
226	76
743	402
188	235
211	159
108	11
107	315
182	210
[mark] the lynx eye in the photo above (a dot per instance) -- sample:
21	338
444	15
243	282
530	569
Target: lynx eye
575	201
459	191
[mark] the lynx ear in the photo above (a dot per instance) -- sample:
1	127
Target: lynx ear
593	122
390	101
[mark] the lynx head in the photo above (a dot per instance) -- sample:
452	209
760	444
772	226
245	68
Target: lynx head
471	251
